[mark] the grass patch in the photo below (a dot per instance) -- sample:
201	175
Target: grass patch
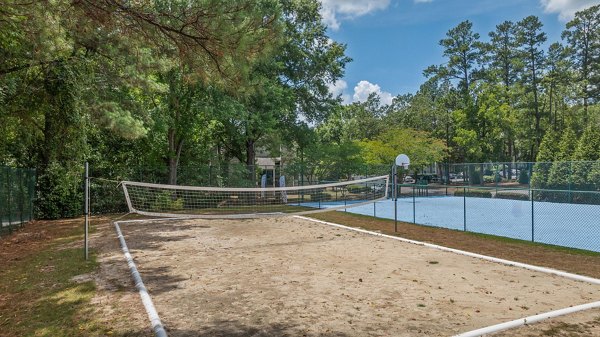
38	296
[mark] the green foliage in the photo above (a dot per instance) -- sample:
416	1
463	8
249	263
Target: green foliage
167	202
560	172
419	146
523	177
59	192
586	154
512	195
143	91
549	149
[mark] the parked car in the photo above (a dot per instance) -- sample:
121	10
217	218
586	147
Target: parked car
409	180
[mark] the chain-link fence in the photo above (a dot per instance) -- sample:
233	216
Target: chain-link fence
17	191
559	175
558	217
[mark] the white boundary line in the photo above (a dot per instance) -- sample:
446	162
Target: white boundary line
501	326
159	330
528	320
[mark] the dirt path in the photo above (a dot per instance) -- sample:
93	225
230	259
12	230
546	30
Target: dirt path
291	277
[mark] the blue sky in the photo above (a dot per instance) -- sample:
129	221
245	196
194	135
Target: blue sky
392	41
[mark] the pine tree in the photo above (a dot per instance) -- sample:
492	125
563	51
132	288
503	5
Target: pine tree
586	154
560	174
544	159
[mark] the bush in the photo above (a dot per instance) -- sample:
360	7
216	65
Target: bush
512	195
474	177
473	193
167	201
59	192
523	177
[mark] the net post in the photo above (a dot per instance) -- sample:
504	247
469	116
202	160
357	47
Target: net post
86	211
414	208
464	208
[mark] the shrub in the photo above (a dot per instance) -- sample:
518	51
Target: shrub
167	201
474	177
512	195
473	193
59	192
523	177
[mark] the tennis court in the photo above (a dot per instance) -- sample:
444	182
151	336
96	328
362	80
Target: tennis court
563	224
294	277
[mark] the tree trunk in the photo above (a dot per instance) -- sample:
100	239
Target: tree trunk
250	158
175	146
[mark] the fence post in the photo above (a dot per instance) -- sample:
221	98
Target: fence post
2	208
86	209
414	208
570	180
532	219
464	208
31	185
375	209
8	200
21	197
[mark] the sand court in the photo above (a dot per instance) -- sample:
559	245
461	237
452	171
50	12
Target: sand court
293	277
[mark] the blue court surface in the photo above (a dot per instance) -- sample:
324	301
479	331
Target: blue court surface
563	224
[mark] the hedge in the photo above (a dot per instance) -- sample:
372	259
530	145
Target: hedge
512	195
473	193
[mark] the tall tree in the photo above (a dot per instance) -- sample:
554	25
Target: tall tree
531	39
501	53
462	48
583	37
294	80
555	82
504	67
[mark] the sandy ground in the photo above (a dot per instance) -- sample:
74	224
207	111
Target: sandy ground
293	277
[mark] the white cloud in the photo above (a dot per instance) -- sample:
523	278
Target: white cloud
364	88
335	10
566	8
338	88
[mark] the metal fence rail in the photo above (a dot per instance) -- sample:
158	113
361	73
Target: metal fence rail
17	190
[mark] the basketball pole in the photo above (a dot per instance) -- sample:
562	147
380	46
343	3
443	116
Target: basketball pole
403	161
395	191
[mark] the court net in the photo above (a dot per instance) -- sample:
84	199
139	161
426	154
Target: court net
218	202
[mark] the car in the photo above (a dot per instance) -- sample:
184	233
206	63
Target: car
409	180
